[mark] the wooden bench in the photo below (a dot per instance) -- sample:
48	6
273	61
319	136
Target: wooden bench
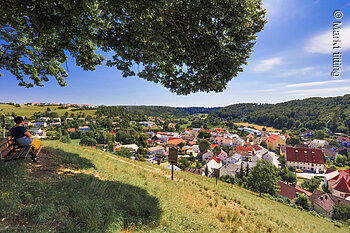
9	150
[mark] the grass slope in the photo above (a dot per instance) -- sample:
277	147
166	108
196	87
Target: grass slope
79	189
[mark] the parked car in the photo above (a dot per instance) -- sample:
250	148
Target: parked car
298	170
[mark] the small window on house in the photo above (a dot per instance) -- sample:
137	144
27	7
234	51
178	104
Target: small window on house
325	197
321	198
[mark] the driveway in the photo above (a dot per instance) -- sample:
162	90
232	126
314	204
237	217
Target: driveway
309	175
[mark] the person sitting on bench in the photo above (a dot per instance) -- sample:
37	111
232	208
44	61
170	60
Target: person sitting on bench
24	138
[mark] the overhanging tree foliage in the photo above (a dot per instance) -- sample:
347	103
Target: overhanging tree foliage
186	45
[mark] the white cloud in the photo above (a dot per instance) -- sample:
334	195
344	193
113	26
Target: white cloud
323	42
321	91
267	64
301	71
317	83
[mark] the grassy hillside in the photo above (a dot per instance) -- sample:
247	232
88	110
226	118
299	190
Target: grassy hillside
29	111
79	189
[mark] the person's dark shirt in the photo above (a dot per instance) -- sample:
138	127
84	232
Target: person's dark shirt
18	131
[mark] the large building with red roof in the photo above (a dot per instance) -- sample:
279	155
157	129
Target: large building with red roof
305	159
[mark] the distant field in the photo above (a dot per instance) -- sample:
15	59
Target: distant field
258	127
29	111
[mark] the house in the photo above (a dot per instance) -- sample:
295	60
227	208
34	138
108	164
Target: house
147	123
250	130
212	146
54	124
342	150
344	141
69	119
206	155
45	118
175	141
318	143
274	141
291	192
323	203
84	128
222	155
305	159
81	118
40	124
131	147
329	154
229	169
70	129
307	134
271	157
246	152
152	151
57	119
213	163
338	182
233	158
38	132
222	141
237	142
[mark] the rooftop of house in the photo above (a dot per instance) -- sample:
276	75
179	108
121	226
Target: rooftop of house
156	148
342	185
272	138
244	148
343	139
326	201
221	152
304	155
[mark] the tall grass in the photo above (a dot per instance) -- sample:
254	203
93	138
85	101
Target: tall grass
95	192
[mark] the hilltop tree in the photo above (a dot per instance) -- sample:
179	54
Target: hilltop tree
263	178
187	46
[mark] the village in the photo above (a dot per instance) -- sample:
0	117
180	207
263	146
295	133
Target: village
222	152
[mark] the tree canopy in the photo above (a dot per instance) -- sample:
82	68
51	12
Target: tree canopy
187	46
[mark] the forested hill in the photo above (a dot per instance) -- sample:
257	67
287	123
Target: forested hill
158	111
311	113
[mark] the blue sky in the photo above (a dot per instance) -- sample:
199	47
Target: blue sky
292	59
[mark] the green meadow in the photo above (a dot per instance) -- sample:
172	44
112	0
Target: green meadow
28	111
80	189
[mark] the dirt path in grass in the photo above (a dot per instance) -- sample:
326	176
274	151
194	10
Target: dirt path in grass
46	167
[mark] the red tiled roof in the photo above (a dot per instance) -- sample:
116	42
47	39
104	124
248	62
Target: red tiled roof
342	186
300	190
343	139
242	148
286	190
175	141
221	151
272	138
215	159
213	145
304	155
329	170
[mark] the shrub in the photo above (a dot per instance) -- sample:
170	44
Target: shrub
65	139
303	201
